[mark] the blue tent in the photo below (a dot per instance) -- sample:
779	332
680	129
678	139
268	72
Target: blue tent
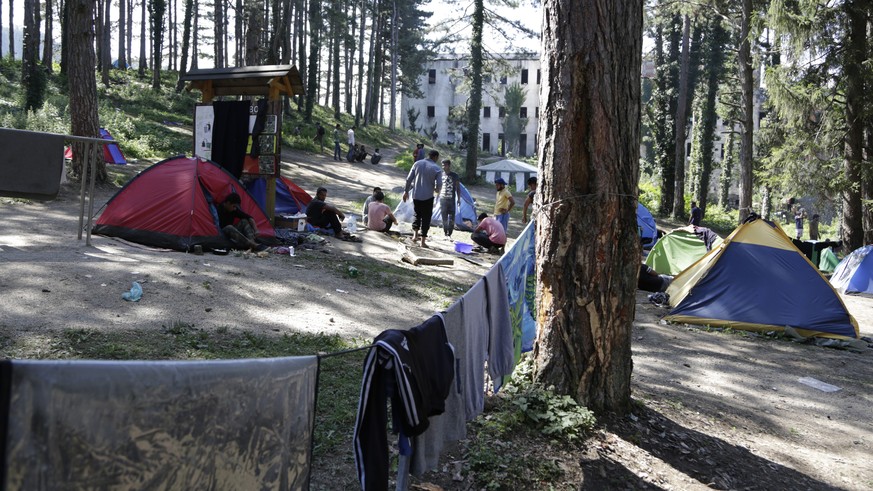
646	224
854	274
467	212
757	280
290	198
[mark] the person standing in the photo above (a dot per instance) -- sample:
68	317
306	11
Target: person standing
423	180
450	195
528	202
336	143
503	203
798	222
319	135
351	140
696	215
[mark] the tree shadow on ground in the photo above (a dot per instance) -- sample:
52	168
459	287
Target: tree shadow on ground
709	460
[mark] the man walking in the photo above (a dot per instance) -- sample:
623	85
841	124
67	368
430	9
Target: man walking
450	195
319	135
696	215
503	203
423	180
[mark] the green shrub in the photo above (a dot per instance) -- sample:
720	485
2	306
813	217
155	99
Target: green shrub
720	220
650	195
404	161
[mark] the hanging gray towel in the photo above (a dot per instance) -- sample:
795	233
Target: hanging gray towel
30	164
230	424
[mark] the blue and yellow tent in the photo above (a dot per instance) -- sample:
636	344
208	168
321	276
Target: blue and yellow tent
757	280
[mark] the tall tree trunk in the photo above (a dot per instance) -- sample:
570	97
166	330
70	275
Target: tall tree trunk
668	82
766	198
286	38
172	20
350	54
392	123
1	29
253	34
474	104
724	179
587	242
314	50
855	53
748	123
218	26
682	104
360	77
338	30
301	48
11	30
83	87
186	42
129	46
98	33
158	10
143	62
714	62
276	34
122	36
106	42
194	36
48	39
31	76
65	38
369	102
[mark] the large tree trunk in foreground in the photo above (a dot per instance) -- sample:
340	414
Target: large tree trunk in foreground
587	242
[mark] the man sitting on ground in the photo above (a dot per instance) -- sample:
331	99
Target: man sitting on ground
380	214
376	157
238	226
650	281
489	234
365	212
322	214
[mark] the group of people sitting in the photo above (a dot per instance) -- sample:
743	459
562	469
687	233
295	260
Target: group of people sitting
358	154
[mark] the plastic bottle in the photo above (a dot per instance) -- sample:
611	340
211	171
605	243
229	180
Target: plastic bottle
291	251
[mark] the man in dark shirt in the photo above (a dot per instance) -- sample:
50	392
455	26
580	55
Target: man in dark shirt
449	196
650	281
323	214
696	215
238	226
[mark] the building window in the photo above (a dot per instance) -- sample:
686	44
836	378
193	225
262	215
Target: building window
486	142
503	80
431	111
522	113
522	145
431	76
486	112
501	112
537	112
501	145
524	75
538	76
687	149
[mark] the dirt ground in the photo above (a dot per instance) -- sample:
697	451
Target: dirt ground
713	409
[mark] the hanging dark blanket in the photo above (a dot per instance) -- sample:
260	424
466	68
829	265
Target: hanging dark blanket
30	164
260	122
230	134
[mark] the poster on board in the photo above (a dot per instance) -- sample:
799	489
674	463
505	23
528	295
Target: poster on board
204	117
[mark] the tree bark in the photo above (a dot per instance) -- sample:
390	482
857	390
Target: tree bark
1	29
186	40
106	42
359	102
744	61
314	51
392	123
587	242
474	104
253	34
158	10
122	36
11	30
48	40
681	121
83	86
143	61
337	29
855	53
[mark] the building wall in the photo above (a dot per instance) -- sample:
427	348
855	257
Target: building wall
442	92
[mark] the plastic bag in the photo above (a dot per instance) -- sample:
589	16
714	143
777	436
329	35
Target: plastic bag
351	224
404	212
134	294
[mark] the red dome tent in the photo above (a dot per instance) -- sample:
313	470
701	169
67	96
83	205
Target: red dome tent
172	204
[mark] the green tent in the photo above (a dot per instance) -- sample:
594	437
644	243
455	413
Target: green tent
677	250
828	260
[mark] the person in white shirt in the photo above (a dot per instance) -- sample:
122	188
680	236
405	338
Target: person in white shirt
351	140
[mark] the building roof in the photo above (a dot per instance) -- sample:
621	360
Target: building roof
508	165
268	80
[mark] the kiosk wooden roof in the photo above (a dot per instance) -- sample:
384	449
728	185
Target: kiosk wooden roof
266	80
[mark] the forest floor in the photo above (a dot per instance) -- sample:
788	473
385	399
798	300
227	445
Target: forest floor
712	409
